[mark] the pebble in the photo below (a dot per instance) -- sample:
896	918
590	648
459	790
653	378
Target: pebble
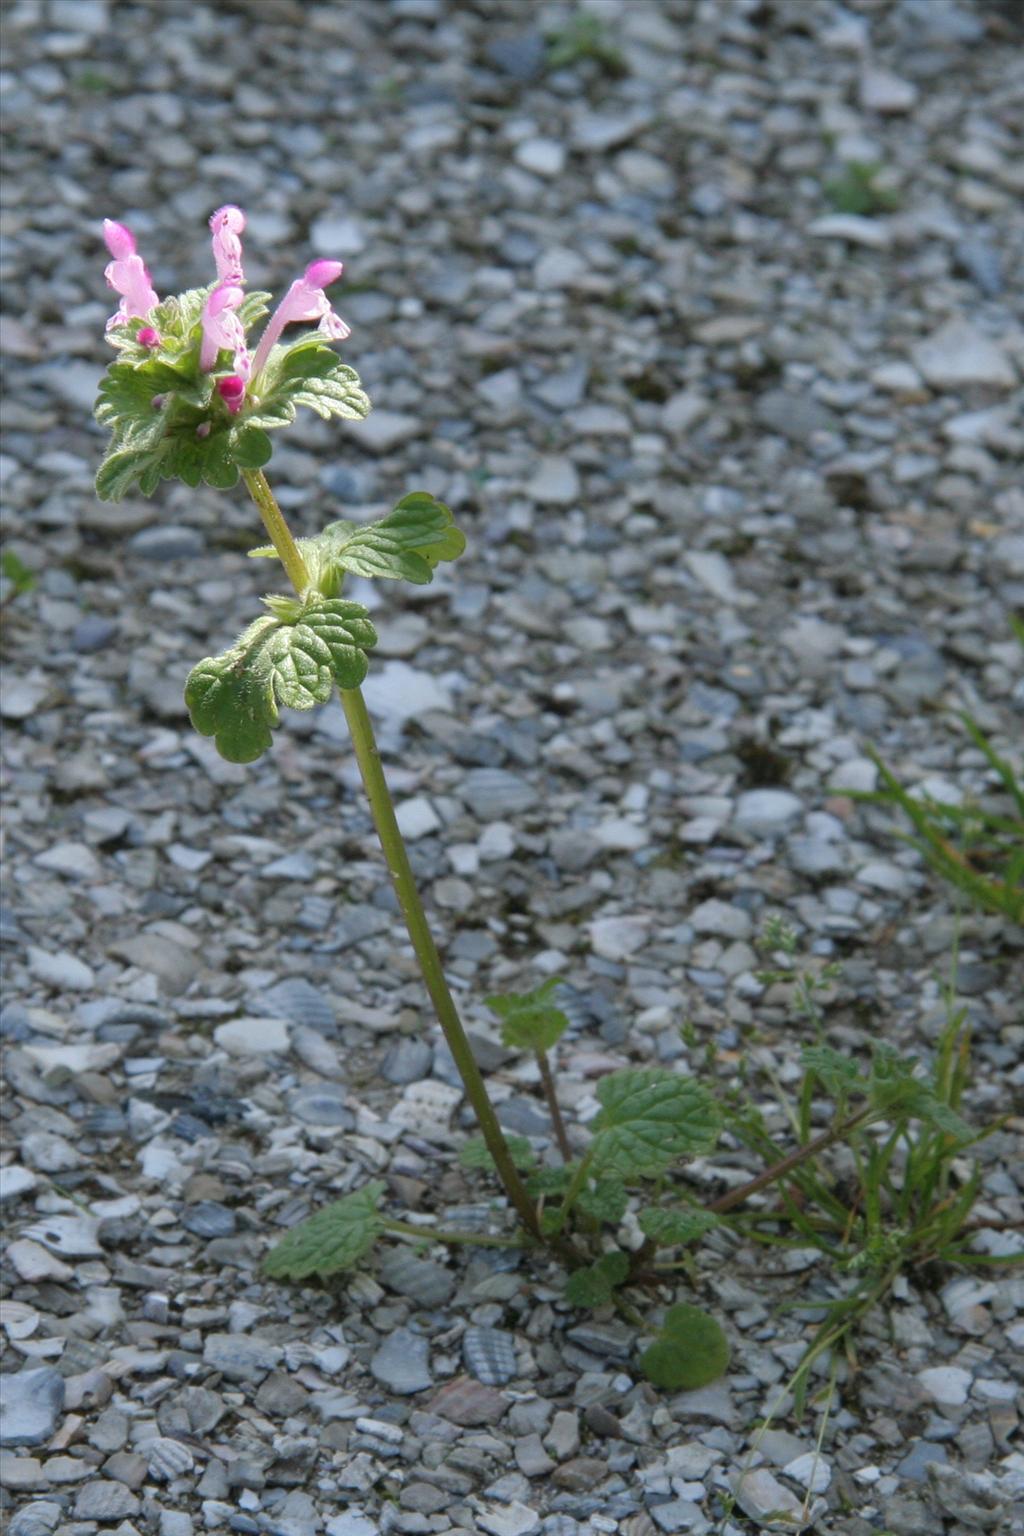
105	1501
490	1355
253	1036
240	1357
767	812
31	1403
402	1363
958	356
946	1384
555	483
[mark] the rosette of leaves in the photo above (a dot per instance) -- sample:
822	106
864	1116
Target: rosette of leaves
167	420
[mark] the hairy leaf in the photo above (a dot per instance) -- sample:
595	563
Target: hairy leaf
837	1072
650	1118
475	1154
336	1238
670	1229
306	372
605	1200
593	1286
530	1021
550	1181
690	1351
404	546
292	658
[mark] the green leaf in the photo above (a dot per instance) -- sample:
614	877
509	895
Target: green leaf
294	661
897	1093
690	1351
605	1200
336	1238
123	467
671	1229
593	1286
837	1072
650	1118
476	1156
550	1181
251	448
530	1021
404	546
306	372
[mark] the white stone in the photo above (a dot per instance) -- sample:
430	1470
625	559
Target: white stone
61	970
396	692
721	919
957	356
882	91
858	773
713	571
760	1494
767	812
853	228
252	1036
497	841
544	157
682	412
558	268
426	1107
616	938
336	236
555	482
72	859
513	1519
94	1057
897	379
384	430
810	1471
32	1262
618	832
417	818
21	697
946	1384
15	1181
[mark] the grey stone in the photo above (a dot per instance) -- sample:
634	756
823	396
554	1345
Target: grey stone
494	793
402	1363
103	1500
797	417
167	542
31	1403
240	1357
490	1355
767	812
407	1061
425	1282
958	356
208	1218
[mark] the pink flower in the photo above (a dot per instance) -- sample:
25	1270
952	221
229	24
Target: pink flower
146	336
227	225
305	300
232	392
222	328
127	275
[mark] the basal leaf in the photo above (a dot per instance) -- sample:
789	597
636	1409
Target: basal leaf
650	1118
476	1156
530	1021
605	1200
292	658
670	1229
336	1238
690	1351
594	1285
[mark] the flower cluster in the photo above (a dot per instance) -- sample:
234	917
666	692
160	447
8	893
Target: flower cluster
222	329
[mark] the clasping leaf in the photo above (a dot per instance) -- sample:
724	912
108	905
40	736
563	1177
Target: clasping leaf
293	656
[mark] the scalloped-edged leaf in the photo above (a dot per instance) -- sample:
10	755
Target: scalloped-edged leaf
306	372
690	1351
650	1117
837	1072
406	545
334	1239
278	660
530	1020
476	1156
670	1229
604	1200
594	1285
550	1181
251	448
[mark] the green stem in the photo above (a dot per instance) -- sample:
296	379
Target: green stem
447	1235
403	880
279	533
383	811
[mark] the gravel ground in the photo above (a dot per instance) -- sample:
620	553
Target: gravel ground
741	479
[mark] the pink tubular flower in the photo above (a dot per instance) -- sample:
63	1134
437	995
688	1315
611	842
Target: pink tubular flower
222	328
227	225
127	275
232	392
305	300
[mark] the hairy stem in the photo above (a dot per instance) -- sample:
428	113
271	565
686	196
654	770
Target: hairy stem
368	758
554	1107
383	811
